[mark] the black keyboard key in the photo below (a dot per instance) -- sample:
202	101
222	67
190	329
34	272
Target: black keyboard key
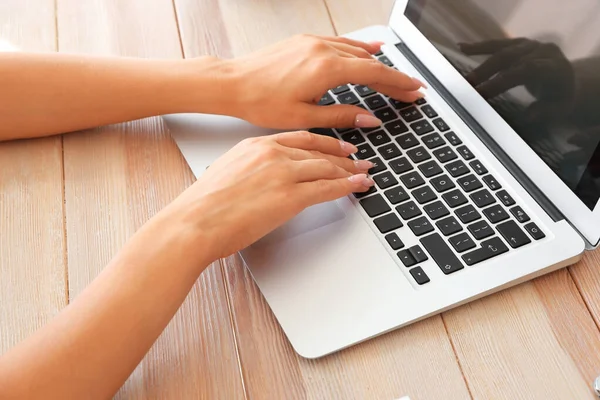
454	198
364	151
480	229
505	198
326	100
378	167
375	102
412	180
490	248
420	101
482	198
478	167
444	154
385	180
418	254
396	195
398	105
406	258
343	130
375	205
394	241
430	168
442	183
379	54
386	114
323	132
424	194
495	214
354	137
408	210
436	210
419	275
410	114
360	195
421	127
389	151
420	226
340	89
491	182
449	226
519	214
440	124
452	138
439	250
434	140
386	61
462	242
378	138
368	130
418	154
467	214
514	236
407	141
387	223
457	168
348	98
396	127
363	91
469	183
465	152
401	165
534	231
429	111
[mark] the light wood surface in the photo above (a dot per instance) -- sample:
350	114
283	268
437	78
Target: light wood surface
539	340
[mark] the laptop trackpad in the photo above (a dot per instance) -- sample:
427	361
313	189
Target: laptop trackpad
308	220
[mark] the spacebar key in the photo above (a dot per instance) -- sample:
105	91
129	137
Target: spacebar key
439	250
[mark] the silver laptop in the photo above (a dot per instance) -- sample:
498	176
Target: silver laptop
472	195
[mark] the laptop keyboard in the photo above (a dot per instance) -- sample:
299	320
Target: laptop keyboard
428	182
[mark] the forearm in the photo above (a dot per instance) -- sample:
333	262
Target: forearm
90	349
45	94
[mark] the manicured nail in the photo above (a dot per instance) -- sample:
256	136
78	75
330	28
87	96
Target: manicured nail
420	83
363	165
348	147
366	121
362	178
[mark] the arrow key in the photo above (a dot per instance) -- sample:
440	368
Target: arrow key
513	234
489	248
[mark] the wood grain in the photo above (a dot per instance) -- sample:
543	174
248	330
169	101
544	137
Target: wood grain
32	250
394	365
117	177
351	15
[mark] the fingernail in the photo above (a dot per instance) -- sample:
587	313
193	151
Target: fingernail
420	83
363	165
362	178
348	147
366	121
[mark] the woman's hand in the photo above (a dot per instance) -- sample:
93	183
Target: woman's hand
263	182
280	86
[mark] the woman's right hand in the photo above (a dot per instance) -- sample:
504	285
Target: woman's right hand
263	182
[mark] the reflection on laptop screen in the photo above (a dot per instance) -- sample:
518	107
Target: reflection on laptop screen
537	62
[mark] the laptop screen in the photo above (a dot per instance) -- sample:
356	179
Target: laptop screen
537	62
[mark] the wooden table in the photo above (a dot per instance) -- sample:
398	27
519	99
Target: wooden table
68	203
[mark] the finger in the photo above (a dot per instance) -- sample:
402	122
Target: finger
499	61
505	81
339	116
488	46
372	48
327	190
352	166
398	94
372	72
309	141
316	169
344	48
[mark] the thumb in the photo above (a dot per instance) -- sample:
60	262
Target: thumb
341	116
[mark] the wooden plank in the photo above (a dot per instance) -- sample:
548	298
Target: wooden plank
32	249
351	15
418	361
117	177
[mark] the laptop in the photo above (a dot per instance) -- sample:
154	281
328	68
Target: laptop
464	205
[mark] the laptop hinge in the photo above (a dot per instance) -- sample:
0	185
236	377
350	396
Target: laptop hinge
485	138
